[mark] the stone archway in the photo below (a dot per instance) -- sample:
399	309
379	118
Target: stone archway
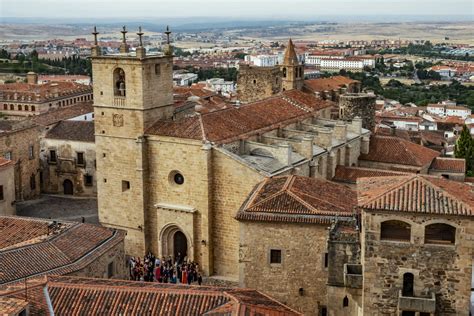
174	240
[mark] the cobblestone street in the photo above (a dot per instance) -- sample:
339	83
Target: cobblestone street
60	208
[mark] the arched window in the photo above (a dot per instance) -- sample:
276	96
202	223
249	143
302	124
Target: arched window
345	301
440	234
395	230
5	107
407	289
12	107
284	72
32	108
19	107
26	107
119	82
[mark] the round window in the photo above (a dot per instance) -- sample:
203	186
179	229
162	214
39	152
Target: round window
178	178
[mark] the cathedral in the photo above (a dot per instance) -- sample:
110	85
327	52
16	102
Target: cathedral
175	184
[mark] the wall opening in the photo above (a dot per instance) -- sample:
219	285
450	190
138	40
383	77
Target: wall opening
407	289
119	82
440	234
395	230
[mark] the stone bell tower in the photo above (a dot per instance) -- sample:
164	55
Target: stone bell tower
292	70
131	91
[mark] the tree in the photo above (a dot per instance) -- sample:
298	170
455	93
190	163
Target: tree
465	148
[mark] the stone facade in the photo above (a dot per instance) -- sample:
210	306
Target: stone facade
7	188
155	186
21	145
111	264
257	83
300	279
441	269
358	105
66	167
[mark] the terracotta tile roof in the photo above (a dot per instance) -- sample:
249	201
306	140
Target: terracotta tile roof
298	199
63	251
73	296
42	92
239	122
449	164
351	174
332	83
416	194
65	113
12	306
388	149
5	162
81	131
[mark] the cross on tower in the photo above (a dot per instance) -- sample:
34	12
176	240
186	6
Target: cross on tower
124	31
140	34
168	32
95	33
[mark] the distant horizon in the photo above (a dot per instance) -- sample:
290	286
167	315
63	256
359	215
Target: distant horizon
375	18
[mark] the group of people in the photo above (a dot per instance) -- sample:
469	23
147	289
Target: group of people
152	269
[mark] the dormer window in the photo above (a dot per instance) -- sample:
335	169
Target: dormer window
119	81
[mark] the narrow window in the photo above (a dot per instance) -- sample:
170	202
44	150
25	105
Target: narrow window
32	108
52	156
125	185
275	256
284	72
326	260
88	180
157	69
19	107
12	107
110	270
31	152
1	193
80	159
5	107
8	155
32	182
323	311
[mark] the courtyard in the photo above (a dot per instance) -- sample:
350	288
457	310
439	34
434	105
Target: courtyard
58	207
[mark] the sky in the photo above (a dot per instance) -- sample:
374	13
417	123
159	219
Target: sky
293	9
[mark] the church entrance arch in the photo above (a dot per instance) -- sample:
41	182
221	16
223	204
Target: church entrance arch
68	187
175	243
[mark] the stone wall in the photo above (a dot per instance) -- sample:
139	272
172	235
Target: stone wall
444	270
99	267
183	206
362	105
7	177
257	83
27	176
303	248
232	183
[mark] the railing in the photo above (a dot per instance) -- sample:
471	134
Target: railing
353	275
417	303
119	101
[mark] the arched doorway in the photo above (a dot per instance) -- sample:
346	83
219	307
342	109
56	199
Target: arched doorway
407	289
174	241
180	245
68	187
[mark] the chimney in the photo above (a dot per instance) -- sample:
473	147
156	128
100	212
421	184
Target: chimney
324	138
32	78
340	131
355	126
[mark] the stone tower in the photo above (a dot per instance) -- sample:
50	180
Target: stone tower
131	91
257	83
292	70
361	105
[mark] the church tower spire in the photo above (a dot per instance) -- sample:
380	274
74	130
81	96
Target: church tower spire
292	70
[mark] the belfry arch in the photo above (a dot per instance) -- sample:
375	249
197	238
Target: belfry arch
174	240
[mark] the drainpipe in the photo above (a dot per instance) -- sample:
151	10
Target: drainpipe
48	300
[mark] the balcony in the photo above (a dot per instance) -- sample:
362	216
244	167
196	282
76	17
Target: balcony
353	275
120	101
417	303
